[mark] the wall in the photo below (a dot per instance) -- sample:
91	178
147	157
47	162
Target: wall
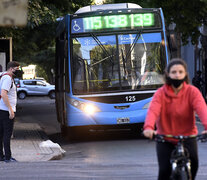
187	53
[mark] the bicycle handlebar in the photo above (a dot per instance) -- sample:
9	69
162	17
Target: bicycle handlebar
162	138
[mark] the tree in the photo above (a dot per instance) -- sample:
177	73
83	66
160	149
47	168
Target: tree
36	39
45	59
188	15
39	33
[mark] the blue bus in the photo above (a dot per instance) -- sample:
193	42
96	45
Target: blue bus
109	61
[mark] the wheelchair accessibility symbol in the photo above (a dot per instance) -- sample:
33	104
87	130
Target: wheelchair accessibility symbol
76	27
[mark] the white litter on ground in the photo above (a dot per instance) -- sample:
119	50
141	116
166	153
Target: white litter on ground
49	143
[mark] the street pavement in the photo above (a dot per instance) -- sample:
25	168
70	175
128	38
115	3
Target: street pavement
29	143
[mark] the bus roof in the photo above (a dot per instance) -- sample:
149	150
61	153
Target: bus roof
107	7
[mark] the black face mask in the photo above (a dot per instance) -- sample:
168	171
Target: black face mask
176	82
15	73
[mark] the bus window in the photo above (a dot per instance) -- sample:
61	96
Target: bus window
97	69
93	63
141	63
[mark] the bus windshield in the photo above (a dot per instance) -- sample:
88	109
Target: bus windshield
114	63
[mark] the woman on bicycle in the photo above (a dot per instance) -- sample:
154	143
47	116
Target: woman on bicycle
173	110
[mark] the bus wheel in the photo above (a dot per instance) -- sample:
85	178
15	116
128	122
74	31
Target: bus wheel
71	134
68	133
63	131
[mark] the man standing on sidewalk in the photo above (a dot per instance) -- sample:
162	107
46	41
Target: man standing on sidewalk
8	100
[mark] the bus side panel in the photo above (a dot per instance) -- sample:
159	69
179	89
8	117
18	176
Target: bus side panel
62	77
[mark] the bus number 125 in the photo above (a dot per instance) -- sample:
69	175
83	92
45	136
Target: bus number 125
130	98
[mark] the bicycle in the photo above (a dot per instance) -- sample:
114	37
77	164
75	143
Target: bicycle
180	161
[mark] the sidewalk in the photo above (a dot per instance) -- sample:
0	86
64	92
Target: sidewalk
26	144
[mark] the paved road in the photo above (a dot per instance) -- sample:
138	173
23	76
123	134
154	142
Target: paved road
105	155
41	110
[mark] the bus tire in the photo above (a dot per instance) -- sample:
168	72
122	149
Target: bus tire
63	131
71	135
68	133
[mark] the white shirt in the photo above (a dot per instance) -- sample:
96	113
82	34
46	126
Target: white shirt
6	83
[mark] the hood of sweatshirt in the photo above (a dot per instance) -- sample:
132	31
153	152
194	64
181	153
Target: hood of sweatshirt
170	93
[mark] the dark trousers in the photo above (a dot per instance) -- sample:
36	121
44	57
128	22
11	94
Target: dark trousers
164	152
6	129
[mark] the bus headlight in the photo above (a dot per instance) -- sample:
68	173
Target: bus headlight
146	106
85	107
90	109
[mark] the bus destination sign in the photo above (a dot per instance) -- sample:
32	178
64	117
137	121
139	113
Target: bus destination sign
116	22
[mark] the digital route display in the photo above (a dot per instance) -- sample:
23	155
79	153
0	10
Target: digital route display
114	22
118	21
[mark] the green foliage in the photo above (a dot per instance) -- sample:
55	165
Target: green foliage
45	59
32	44
142	3
41	13
40	72
188	15
36	39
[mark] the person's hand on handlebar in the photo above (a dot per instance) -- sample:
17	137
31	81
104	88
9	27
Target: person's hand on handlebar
149	133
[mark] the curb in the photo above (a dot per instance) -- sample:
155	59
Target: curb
25	145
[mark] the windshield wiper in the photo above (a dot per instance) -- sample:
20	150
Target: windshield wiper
100	61
104	50
124	61
132	46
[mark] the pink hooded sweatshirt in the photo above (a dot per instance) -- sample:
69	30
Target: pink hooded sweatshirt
175	114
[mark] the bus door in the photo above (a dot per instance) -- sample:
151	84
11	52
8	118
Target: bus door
60	78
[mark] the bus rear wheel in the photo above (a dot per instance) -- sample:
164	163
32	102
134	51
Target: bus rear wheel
63	130
68	133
